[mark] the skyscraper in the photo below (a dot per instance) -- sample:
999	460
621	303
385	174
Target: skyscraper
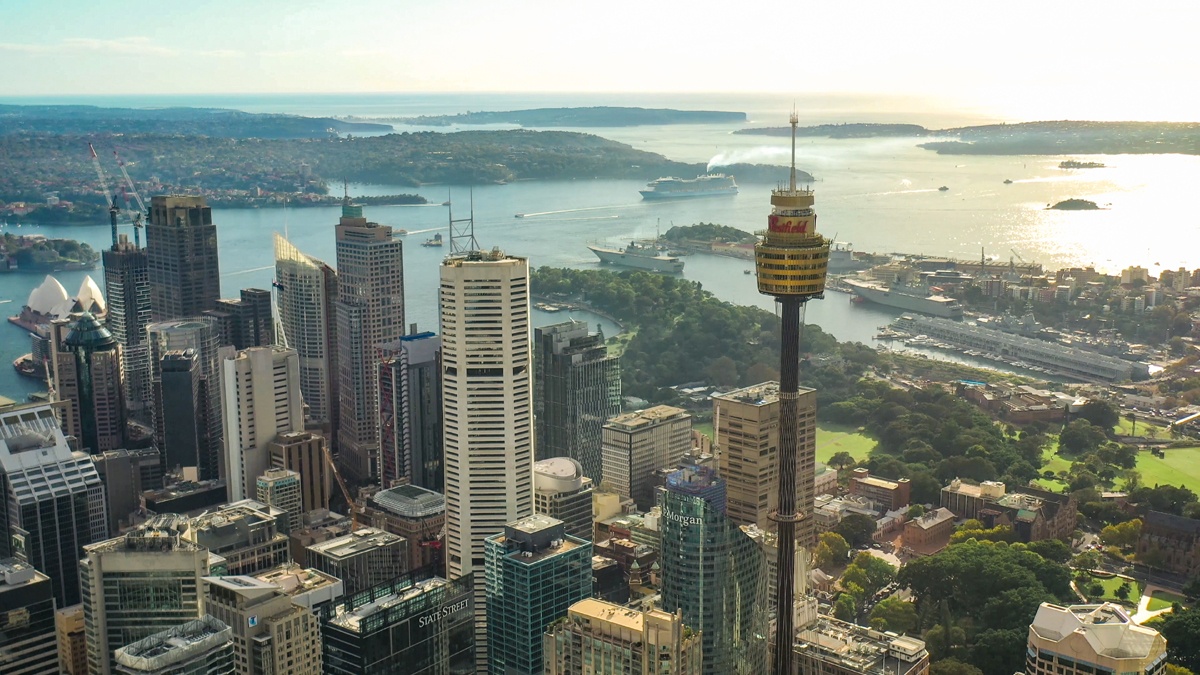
486	408
417	514
577	387
181	396
261	399
246	321
304	453
249	536
747	432
410	411
86	369
181	256
535	572
714	573
637	444
560	490
127	291
200	335
154	571
307	295
362	559
616	640
126	474
370	312
272	635
199	647
51	498
281	488
28	642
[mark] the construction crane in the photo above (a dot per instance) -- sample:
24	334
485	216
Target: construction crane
141	210
350	503
1014	252
435	543
113	209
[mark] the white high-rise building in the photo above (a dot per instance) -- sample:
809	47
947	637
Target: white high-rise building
307	321
486	408
261	399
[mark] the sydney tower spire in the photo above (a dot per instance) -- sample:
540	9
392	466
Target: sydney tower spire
791	262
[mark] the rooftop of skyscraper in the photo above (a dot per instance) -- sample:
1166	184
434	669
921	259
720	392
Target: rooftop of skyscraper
294	580
410	501
174	645
859	649
1108	629
356	543
159	533
382	599
13	572
763	393
649	416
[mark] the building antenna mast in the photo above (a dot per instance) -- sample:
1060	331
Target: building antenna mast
462	230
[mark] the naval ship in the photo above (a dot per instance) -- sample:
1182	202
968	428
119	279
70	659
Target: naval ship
910	298
708	185
643	255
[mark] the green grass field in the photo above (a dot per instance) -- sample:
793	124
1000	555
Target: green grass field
1110	590
1163	600
1143	430
835	438
1181	467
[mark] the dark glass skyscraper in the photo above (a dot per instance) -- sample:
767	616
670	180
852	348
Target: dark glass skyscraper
410	411
87	372
577	387
199	335
127	292
181	255
714	573
245	321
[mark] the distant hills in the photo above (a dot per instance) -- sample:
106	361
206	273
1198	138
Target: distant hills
851	130
87	119
599	116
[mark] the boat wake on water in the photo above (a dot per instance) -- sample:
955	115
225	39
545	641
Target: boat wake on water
585	208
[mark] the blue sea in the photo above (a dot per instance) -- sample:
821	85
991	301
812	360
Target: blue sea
877	194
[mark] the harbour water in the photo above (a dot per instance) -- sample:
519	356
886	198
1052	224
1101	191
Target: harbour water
878	194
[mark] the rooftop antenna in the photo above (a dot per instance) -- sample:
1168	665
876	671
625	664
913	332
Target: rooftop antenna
345	191
795	121
462	230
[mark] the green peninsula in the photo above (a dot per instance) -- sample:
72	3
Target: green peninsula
1071	138
851	130
598	116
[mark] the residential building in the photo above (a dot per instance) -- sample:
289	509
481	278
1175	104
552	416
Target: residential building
127	293
181	257
486	408
714	573
126	474
51	498
28	642
180	392
305	453
636	444
1034	514
930	532
412	512
889	494
521	604
250	536
281	488
261	399
363	559
85	368
577	387
271	634
410	409
199	647
426	625
309	588
141	583
370	312
72	644
1087	639
307	294
246	321
606	639
746	427
832	647
1170	542
561	491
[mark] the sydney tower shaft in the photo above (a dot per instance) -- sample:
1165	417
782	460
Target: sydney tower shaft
791	262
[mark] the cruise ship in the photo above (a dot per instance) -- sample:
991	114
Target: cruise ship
708	185
643	255
907	298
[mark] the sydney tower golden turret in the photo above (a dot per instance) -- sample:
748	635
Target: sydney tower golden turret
791	262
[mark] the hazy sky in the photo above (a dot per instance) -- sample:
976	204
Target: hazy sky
1129	60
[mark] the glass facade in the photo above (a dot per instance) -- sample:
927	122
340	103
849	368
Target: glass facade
714	573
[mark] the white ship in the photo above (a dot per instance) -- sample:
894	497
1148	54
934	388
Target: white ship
643	255
908	298
708	185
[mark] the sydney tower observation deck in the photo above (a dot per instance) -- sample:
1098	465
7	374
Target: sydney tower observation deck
791	262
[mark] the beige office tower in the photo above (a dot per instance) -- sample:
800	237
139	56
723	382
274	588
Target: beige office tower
486	408
370	312
635	445
1081	639
272	634
72	646
307	292
247	534
281	488
304	453
154	572
260	397
746	426
615	640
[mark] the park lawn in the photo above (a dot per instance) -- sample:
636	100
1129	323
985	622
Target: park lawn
1163	600
1110	590
1055	463
1180	467
1126	428
835	438
705	428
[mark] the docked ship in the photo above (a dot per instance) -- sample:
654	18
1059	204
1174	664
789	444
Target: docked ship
913	299
644	255
708	185
843	261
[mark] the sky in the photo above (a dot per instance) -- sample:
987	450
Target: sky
1050	59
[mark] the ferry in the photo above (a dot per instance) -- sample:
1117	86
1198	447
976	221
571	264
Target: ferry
436	241
708	185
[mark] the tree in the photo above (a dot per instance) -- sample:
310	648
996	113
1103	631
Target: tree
1181	628
1095	590
1132	417
722	372
1051	549
842	460
894	614
1099	413
1000	651
1123	591
1088	560
915	511
836	544
1122	535
856	529
845	607
1191	590
953	667
1079	437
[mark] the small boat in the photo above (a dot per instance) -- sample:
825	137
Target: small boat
519	215
1008	181
747	271
400	231
943	189
436	241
